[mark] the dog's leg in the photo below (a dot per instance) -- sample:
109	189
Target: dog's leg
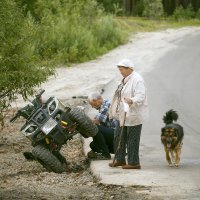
178	155
173	156
168	157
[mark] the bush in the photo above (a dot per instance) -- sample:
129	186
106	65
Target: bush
110	6
107	34
20	67
75	31
181	13
153	8
35	32
139	8
198	14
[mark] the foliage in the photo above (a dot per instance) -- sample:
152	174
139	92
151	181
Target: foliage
150	8
75	31
153	8
139	24
139	8
184	13
198	14
36	33
111	6
20	67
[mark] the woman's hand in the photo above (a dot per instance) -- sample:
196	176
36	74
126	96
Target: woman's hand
128	100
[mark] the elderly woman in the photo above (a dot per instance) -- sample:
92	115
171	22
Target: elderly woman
129	105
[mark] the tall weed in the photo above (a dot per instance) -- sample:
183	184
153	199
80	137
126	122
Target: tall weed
75	31
184	13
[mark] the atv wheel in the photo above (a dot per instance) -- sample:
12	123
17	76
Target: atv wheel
85	126
48	160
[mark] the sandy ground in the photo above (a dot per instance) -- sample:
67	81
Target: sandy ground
28	180
24	180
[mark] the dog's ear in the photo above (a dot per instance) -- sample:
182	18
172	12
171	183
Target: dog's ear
175	132
162	131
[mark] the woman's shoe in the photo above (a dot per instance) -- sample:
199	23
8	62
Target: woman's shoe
117	164
131	166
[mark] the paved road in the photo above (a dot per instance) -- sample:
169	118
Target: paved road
174	83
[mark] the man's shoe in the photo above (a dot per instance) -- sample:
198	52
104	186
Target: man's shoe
91	154
131	167
108	156
117	164
100	156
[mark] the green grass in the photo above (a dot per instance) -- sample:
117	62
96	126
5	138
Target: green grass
65	42
138	24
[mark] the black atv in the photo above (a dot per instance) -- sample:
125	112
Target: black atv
51	124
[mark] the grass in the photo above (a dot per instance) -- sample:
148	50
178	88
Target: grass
82	43
138	24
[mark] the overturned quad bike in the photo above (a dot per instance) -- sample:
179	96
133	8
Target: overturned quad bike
51	124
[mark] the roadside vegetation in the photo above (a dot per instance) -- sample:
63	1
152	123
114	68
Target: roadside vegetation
37	35
138	24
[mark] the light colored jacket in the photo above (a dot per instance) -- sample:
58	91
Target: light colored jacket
134	89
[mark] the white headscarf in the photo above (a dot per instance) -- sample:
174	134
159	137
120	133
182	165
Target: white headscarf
126	63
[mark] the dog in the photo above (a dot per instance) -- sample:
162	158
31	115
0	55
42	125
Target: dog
171	137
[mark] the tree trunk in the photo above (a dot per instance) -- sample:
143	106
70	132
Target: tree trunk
196	4
170	6
128	6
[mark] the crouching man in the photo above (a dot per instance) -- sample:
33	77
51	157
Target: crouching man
102	144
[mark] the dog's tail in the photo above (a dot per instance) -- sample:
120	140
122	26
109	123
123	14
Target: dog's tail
170	116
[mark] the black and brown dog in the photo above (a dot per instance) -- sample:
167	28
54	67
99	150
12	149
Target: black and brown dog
171	137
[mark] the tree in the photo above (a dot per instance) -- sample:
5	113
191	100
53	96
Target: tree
110	5
128	6
153	8
21	68
171	5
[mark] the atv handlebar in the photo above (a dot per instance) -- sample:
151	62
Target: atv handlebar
15	117
40	94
